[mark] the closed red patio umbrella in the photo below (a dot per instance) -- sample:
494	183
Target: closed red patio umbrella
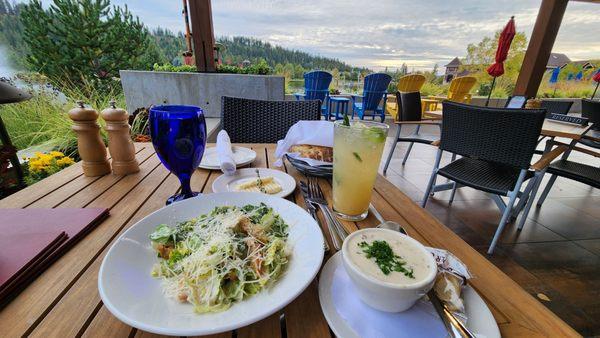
504	41
597	79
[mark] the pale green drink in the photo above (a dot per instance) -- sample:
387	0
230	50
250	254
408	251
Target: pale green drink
357	152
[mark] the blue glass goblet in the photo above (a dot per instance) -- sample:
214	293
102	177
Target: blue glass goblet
179	137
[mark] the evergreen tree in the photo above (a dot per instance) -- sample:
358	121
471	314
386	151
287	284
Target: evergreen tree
403	69
11	32
85	41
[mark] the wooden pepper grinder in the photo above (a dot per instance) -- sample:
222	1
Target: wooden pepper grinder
89	143
119	140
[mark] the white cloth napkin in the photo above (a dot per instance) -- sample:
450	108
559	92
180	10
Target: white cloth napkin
318	133
419	321
225	153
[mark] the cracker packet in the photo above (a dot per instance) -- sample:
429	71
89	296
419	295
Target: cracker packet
451	278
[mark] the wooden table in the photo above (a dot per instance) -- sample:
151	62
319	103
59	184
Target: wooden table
550	128
64	300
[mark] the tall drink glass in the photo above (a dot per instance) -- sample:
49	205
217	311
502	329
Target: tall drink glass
357	152
179	138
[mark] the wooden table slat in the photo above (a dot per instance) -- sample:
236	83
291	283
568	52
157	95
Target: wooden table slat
83	186
74	309
33	193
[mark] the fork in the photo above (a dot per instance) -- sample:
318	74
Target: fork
332	232
317	197
313	212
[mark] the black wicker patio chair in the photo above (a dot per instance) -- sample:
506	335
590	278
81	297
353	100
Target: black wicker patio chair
409	112
577	171
591	110
496	145
258	121
556	107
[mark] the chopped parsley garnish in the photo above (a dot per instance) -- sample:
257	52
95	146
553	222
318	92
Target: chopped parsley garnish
385	258
260	182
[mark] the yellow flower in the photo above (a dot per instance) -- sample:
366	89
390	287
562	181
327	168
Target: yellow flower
56	154
35	166
65	161
45	159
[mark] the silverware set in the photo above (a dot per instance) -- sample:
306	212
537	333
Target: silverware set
313	195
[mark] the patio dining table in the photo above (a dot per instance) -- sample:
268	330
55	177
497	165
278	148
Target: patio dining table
64	300
549	128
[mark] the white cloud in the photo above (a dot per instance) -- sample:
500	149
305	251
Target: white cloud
384	32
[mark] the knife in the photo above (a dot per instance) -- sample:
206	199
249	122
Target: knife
454	326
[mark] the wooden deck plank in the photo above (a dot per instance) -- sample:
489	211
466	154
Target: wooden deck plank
39	297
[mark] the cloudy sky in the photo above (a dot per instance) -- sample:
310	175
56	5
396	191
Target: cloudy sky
379	33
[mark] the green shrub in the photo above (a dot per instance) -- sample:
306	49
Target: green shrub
260	68
430	89
167	67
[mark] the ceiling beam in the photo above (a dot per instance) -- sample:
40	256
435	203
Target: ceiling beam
203	35
540	46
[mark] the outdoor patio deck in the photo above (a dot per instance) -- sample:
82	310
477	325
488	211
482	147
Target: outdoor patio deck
556	255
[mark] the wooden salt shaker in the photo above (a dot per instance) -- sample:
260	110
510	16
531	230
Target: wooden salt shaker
120	145
89	143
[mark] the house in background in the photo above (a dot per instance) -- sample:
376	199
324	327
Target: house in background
451	70
584	64
557	60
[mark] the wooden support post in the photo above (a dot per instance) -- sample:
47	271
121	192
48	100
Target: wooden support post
203	35
540	46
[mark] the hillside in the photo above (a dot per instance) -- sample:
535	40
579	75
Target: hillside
238	49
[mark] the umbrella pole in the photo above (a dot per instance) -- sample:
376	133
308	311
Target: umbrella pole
490	93
595	90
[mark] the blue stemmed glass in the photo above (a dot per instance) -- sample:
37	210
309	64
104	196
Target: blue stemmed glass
179	137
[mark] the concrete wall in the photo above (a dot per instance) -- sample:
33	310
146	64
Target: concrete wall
143	89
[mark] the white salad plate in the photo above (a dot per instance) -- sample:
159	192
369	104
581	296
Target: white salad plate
242	156
226	183
135	297
480	320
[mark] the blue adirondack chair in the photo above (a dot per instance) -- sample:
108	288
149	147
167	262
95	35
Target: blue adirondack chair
375	89
316	87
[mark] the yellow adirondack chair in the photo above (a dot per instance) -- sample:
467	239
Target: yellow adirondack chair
458	92
406	84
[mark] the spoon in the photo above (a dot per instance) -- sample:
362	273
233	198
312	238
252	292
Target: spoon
391	225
